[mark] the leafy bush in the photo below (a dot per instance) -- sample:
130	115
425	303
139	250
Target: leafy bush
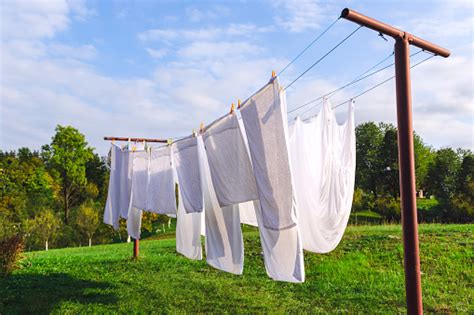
11	250
388	207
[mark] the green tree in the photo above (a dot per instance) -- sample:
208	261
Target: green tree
69	156
368	140
442	174
387	162
44	227
87	219
423	157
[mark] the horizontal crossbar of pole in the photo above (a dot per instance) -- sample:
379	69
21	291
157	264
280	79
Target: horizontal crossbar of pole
135	139
386	29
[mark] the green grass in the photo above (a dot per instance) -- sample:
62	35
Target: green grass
363	275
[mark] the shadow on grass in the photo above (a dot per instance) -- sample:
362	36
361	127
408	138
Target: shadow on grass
40	294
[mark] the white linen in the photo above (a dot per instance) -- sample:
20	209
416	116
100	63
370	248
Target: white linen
323	167
140	179
161	197
230	167
112	205
247	213
264	118
224	242
186	162
188	232
134	222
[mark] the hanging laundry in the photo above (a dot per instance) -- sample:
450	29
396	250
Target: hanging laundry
186	162
161	197
247	213
188	231
282	251
224	242
323	167
231	170
265	120
113	205
138	159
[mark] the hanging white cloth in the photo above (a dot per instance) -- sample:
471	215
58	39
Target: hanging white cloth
224	242
161	197
264	118
230	167
282	249
113	205
137	170
323	167
186	162
188	232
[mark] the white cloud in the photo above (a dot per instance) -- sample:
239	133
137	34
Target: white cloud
157	53
297	16
197	15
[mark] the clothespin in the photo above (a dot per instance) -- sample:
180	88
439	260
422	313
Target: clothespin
169	141
134	148
273	74
194	132
239	104
201	127
232	107
113	141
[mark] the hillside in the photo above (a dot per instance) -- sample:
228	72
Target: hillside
364	274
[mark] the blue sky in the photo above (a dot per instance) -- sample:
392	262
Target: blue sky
159	68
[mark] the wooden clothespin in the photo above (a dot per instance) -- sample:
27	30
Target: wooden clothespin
273	74
201	127
232	108
194	132
239	104
169	141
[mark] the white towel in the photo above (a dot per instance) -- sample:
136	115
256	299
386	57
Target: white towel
231	170
323	166
161	197
188	232
112	205
224	242
186	162
265	120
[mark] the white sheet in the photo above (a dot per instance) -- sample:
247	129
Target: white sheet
264	118
112	205
186	162
230	167
161	197
188	232
323	160
224	241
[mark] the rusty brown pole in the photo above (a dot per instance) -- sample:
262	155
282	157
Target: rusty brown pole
135	248
406	157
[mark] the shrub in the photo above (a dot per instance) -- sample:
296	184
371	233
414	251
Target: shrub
388	207
11	250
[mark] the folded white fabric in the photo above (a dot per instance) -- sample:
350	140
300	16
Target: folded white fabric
161	197
231	170
224	242
264	117
323	167
186	162
188	232
112	205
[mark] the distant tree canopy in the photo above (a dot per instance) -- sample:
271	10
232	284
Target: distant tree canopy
65	185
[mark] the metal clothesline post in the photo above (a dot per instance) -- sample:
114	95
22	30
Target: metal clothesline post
406	158
136	242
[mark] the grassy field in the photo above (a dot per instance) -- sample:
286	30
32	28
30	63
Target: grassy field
364	275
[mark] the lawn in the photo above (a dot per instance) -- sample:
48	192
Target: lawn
363	275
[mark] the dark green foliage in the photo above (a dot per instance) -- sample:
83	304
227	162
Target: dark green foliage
11	249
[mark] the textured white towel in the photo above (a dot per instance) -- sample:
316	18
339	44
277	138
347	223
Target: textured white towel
231	170
224	242
161	196
186	162
323	167
265	120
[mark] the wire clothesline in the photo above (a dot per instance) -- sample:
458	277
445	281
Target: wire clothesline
359	78
356	80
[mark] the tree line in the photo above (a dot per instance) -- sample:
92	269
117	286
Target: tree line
56	196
